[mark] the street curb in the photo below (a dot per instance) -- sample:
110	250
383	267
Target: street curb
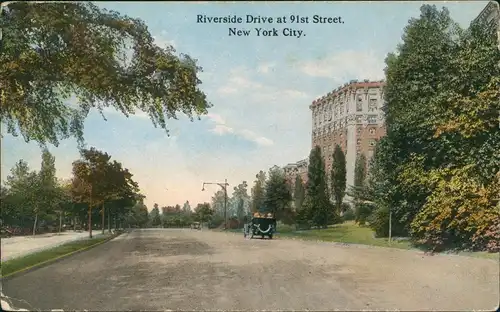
53	260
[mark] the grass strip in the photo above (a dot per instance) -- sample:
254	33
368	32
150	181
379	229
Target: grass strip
347	233
19	264
351	233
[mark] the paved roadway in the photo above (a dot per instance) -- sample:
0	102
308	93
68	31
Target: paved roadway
202	270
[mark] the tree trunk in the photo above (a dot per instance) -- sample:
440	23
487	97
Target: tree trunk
90	220
34	224
60	221
109	220
103	214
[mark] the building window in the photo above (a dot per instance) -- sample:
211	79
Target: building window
358	119
358	142
372	142
358	130
359	104
372	119
372	107
372	131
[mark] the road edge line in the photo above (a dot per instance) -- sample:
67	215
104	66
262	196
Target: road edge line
49	261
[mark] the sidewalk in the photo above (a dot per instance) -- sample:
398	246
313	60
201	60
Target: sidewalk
19	246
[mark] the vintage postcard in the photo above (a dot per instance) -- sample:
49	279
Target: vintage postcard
248	156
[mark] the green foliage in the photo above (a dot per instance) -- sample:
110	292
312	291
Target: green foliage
258	191
460	210
303	217
299	193
434	169
348	215
203	212
379	221
362	212
277	196
154	216
362	206
338	177
317	201
216	221
218	202
360	170
186	208
87	47
240	195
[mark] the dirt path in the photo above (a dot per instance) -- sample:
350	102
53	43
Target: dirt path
200	270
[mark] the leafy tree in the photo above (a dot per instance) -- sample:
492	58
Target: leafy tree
299	193
87	48
358	191
380	191
424	62
154	215
98	182
338	177
138	214
23	190
442	129
317	196
240	194
258	191
90	173
186	208
120	192
203	212
218	202
277	197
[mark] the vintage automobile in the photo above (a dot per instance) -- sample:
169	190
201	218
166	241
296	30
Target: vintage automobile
196	226
262	224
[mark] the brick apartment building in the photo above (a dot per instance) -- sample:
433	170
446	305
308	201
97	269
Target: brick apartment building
350	116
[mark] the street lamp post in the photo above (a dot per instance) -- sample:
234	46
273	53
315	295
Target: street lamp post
224	187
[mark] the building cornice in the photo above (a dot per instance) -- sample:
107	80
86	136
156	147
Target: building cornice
488	9
350	86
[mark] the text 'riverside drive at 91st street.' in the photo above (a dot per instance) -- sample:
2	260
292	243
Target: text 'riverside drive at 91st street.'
267	20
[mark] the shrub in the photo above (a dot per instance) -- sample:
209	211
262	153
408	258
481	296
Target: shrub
460	209
379	221
346	207
348	215
362	212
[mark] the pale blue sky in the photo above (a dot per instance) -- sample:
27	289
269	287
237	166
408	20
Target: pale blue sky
261	88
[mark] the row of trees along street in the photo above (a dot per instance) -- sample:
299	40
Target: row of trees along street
101	192
437	171
179	217
91	68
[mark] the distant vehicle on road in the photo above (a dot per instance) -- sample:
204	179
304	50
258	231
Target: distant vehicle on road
263	224
196	226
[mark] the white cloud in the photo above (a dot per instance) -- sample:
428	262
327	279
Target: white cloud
221	128
162	40
264	68
346	65
239	83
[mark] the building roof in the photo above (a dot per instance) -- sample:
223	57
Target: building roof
353	84
491	7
